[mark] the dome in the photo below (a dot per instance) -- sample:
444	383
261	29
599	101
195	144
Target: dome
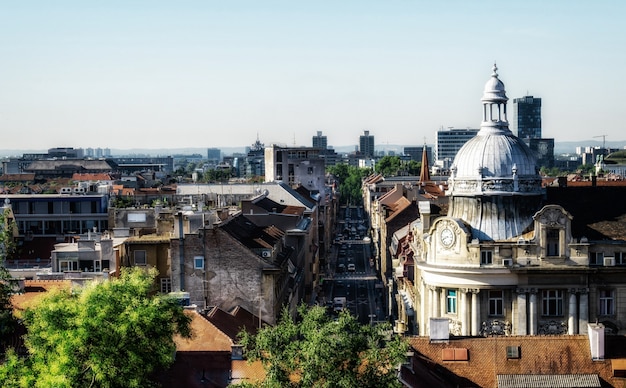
494	88
494	155
494	185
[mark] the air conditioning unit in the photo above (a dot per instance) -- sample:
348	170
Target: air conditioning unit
507	262
609	261
266	254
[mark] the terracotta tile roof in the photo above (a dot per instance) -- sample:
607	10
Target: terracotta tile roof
397	208
242	371
539	355
91	177
17	177
35	289
206	337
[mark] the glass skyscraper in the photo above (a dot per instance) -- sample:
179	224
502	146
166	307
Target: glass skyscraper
526	123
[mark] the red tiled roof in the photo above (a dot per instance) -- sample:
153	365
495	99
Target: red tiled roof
91	177
539	355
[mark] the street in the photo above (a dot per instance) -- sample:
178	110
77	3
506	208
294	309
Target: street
350	273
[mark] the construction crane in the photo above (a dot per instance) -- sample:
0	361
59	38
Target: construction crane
603	140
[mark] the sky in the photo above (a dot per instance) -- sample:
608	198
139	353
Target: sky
174	74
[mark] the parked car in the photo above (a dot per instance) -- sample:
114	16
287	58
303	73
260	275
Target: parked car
351	267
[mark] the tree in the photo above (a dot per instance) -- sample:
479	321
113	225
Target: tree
350	180
112	333
388	165
316	351
8	322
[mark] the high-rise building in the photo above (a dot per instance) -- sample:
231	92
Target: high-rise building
320	141
449	142
416	153
526	123
544	151
295	166
214	155
366	145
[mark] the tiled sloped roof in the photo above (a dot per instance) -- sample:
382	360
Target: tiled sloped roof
269	205
17	177
231	323
539	355
397	208
596	213
91	177
251	235
33	290
206	337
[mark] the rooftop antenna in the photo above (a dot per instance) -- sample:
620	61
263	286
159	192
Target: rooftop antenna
294	139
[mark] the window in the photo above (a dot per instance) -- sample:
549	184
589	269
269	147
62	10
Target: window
198	262
607	302
451	301
552	302
496	302
620	258
596	258
140	257
553	242
486	257
166	285
68	265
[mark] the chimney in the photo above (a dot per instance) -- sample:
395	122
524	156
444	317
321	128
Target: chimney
439	329
596	340
424	209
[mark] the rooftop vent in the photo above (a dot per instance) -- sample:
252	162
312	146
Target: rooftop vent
455	354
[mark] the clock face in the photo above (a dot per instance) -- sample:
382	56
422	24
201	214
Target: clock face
447	237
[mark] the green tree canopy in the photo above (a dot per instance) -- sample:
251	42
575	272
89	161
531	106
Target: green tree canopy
112	333
350	180
7	283
388	165
316	351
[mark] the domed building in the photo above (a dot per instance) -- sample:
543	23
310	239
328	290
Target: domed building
503	260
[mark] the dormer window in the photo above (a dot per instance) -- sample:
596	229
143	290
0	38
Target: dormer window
552	242
486	257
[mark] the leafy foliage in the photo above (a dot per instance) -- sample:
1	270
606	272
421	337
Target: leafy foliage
393	165
350	180
217	175
7	283
109	334
316	351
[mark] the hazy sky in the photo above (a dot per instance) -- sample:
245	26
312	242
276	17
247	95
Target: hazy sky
164	74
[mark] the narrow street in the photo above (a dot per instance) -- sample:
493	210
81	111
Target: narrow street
350	274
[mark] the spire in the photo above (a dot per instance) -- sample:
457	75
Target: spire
425	173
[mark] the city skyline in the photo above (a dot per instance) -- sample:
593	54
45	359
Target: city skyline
205	74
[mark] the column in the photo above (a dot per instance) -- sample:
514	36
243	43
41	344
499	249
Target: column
521	312
572	313
440	302
532	319
583	316
424	298
463	310
475	313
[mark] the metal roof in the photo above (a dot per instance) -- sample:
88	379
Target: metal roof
549	381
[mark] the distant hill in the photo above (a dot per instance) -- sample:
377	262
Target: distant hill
560	147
